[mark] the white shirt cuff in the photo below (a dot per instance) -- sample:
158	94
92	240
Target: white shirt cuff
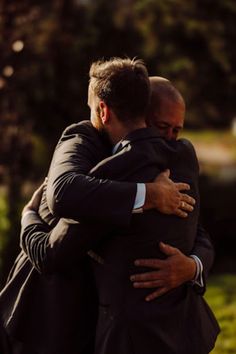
198	280
140	198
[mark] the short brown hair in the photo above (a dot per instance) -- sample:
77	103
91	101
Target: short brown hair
123	84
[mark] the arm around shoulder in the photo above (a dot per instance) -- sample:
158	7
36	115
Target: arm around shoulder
72	193
34	239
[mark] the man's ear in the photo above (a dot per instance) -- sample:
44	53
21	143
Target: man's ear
104	112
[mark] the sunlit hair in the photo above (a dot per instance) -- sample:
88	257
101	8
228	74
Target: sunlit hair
123	84
162	93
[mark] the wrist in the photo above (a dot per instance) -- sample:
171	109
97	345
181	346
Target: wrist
149	199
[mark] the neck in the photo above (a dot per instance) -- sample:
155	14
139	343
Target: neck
120	131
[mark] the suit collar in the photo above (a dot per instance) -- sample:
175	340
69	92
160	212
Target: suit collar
137	135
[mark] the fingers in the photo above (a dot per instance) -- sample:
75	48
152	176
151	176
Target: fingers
36	197
187	199
144	277
148	284
186	204
38	191
149	263
182	186
35	200
186	207
159	292
180	213
167	249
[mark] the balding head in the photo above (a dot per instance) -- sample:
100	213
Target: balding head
167	108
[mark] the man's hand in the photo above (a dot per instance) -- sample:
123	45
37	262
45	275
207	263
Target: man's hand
34	203
165	196
166	274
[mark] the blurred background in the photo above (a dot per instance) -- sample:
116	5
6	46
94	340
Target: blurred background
46	48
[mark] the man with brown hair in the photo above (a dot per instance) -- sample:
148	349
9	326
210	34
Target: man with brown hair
173	323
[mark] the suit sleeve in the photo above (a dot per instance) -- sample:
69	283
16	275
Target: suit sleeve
204	250
60	248
34	239
202	247
71	193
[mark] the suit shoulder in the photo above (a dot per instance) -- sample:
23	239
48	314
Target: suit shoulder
83	127
81	132
187	145
190	151
84	136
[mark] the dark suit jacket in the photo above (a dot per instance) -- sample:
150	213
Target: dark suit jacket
40	312
180	321
56	313
50	252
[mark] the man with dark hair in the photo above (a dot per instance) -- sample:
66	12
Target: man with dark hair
126	323
63	182
61	198
107	78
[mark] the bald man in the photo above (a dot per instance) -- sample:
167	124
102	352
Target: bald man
166	113
167	108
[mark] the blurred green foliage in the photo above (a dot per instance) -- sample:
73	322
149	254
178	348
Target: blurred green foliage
191	43
4	222
221	296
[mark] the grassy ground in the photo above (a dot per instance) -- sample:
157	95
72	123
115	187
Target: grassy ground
221	296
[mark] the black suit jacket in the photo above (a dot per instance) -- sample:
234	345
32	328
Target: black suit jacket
99	200
180	321
55	313
49	252
40	312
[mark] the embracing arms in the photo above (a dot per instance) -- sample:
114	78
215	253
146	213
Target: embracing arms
72	193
